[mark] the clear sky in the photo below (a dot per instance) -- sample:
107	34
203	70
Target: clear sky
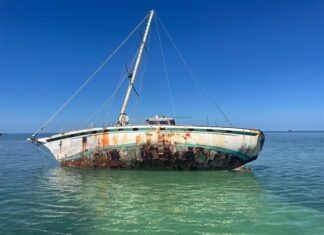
261	61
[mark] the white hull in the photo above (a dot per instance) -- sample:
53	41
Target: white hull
162	147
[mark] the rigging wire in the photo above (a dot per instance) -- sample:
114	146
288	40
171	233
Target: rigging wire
121	80
90	78
221	111
165	69
125	75
43	151
105	116
199	87
109	100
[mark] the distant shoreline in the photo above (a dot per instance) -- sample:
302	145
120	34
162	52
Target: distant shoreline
292	131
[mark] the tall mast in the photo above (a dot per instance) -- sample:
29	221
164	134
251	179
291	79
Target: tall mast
122	116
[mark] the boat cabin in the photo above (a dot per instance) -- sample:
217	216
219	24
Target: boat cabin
160	120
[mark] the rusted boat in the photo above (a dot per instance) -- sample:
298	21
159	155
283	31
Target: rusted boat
157	144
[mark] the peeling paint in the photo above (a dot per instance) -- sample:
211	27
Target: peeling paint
157	157
157	148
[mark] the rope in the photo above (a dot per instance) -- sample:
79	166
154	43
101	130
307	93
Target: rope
90	78
199	87
165	69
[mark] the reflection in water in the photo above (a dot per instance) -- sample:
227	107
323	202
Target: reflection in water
154	200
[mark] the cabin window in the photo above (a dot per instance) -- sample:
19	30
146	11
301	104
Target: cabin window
135	129
164	123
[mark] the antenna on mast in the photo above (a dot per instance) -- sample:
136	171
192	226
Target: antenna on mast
123	119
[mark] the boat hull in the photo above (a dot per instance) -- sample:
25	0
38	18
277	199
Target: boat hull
164	148
157	157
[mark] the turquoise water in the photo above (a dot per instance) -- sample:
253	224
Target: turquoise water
284	194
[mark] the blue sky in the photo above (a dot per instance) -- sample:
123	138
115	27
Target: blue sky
261	61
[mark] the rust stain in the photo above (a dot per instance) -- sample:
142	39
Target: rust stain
160	137
150	156
244	139
115	139
61	147
84	144
124	138
138	138
105	140
220	141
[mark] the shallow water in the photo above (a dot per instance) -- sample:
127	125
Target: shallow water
284	194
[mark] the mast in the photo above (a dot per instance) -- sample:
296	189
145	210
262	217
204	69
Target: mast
122	119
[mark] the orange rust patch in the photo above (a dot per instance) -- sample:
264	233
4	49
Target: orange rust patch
160	136
138	139
105	140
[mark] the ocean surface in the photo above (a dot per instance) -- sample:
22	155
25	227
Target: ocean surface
283	194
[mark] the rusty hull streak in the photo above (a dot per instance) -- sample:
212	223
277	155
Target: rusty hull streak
157	157
160	153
